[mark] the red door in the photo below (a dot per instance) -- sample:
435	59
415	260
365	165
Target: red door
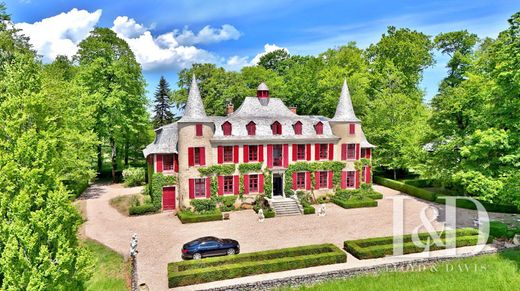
168	198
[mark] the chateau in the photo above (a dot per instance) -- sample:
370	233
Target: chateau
262	130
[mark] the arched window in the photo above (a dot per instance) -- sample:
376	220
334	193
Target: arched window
276	127
319	127
227	128
298	128
251	128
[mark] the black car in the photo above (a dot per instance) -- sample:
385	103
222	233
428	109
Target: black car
209	246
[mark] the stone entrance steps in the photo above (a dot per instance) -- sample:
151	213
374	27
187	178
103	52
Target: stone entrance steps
285	207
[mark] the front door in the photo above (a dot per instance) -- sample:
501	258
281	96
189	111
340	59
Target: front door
168	198
277	155
277	185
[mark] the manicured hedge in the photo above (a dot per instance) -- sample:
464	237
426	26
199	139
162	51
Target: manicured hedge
221	268
354	203
408	189
309	210
419	183
186	216
383	246
463	203
142	209
375	195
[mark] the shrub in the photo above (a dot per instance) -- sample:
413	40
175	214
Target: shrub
354	203
261	203
408	189
463	203
323	199
186	216
309	210
203	205
142	209
214	269
419	183
133	177
228	203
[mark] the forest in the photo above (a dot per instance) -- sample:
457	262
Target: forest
67	122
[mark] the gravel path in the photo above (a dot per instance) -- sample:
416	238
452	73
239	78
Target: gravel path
161	235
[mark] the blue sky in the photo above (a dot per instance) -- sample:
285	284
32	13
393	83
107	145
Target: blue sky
167	36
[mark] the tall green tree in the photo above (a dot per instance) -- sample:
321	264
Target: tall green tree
116	87
275	61
162	108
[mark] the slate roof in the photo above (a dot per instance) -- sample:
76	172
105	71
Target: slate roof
165	142
194	111
345	110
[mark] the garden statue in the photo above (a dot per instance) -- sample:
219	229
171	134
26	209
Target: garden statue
261	216
321	211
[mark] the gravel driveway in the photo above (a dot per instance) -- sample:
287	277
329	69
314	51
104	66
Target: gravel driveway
161	235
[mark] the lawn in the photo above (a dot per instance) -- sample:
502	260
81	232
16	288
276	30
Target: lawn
489	272
124	202
111	272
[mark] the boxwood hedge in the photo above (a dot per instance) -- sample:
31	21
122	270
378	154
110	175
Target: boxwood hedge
462	203
143	209
187	216
214	269
408	189
354	203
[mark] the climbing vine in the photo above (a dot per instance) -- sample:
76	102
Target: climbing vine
312	167
250	168
217	170
156	187
358	165
268	183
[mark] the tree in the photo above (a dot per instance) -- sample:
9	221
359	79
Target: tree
163	114
275	61
115	84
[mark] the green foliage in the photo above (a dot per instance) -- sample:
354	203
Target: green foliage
218	170
309	210
142	209
111	271
467	204
268	184
354	202
384	246
201	206
312	167
162	108
250	168
408	189
186	216
133	176
214	269
275	61
228	203
158	182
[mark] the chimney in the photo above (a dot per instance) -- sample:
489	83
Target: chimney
293	109
230	108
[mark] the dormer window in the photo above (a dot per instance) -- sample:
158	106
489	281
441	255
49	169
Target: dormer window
251	128
276	127
319	128
227	128
297	128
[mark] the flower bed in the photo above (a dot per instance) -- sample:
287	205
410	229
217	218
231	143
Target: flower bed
383	246
221	268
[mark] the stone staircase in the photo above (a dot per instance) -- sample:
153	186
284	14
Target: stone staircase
285	206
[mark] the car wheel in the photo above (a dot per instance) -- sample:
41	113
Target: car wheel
197	256
231	252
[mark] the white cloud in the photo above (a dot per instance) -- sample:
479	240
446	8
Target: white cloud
207	35
128	27
235	63
60	34
267	49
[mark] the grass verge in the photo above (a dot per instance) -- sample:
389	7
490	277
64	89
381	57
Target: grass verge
111	272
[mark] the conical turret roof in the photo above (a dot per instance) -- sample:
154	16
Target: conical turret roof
345	110
194	110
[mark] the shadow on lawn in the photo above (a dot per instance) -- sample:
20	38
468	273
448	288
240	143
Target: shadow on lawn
512	255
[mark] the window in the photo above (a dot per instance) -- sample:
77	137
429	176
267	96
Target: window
300	180
297	128
228	184
200	188
228	154
324	175
226	128
319	128
198	130
351	175
251	128
196	156
168	163
253	183
276	127
351	151
352	128
324	153
300	154
253	153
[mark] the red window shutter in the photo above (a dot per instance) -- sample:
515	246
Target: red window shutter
352	128
343	152
308	180
285	155
191	160
246	184
159	163
208	187
220	185
294	176
220	154
331	175
269	155
260	153
331	151
192	188
308	152
202	156
357	179
343	179
235	154
316	180
198	129
260	183
317	152
368	178
176	163
368	153
236	184
294	152
357	151
246	153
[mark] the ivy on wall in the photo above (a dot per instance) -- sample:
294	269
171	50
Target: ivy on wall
217	170
158	182
334	166
359	164
268	183
250	168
